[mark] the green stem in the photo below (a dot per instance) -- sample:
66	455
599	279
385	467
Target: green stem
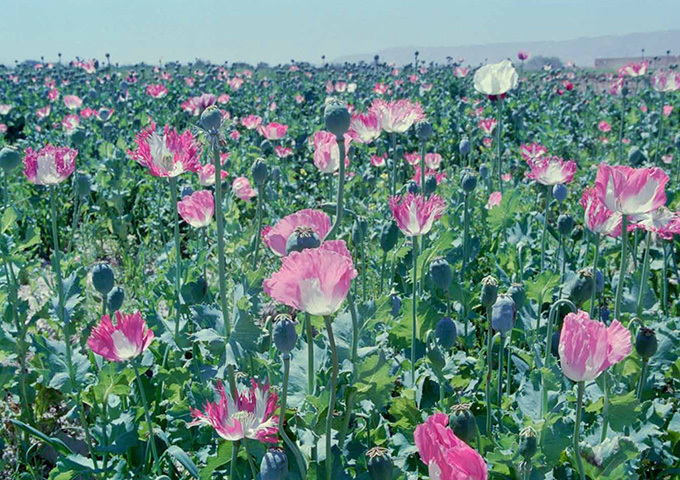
145	405
253	470
645	273
311	374
382	273
284	395
499	119
234	456
577	431
414	300
664	279
219	216
489	367
76	215
623	112
178	250
340	209
260	199
659	132
500	382
331	402
595	261
422	167
466	235
393	182
605	407
545	229
643	375
622	270
554	308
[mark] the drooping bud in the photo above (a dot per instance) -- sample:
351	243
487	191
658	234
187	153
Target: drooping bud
115	299
389	235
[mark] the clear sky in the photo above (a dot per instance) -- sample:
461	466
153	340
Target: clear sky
280	30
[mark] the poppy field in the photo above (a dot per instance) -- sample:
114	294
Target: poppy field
358	271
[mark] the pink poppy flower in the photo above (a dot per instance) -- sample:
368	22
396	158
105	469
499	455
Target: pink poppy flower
667	110
412	158
49	166
250	415
197	209
661	221
487	125
365	127
433	160
523	55
494	200
379	160
315	280
327	152
429	172
447	456
461	72
616	88
299	98
166	155
625	141
666	81
242	189
415	214
235	135
53	94
5	109
251	122
3	129
598	218
196	105
88	112
223	99
604	126
643	109
533	151
397	116
121	342
70	122
634	69
206	174
588	347
552	170
72	102
380	89
276	237
273	131
156	90
667	159
283	152
506	177
631	191
235	83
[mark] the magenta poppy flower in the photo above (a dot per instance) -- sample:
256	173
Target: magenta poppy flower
532	151
251	122
412	158
49	166
315	280
631	191
70	122
273	131
251	415
277	236
125	340
487	125
634	69
661	221
551	170
415	214
242	189
495	199
433	160
379	160
598	218
447	457
327	152
604	126
197	209
397	116
666	81
283	152
156	90
365	127
588	347
196	105
206	174
72	102
429	172
168	155
523	55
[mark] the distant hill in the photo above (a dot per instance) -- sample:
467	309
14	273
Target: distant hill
582	51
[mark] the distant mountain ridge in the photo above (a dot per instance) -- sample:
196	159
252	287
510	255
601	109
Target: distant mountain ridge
582	51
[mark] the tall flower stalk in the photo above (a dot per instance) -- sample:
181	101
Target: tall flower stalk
331	401
178	251
577	430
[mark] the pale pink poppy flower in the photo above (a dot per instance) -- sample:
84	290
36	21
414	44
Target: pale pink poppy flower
433	160
397	116
523	55
53	94
604	140
70	122
327	152
272	106
242	189
532	151
315	280
625	141
121	342
487	142
379	160
380	88
3	129
251	122
196	105
643	108
283	152
197	209
273	131
604	126
5	109
251	415
206	174
412	158
156	90
235	83
365	127
551	170
235	135
506	177
88	112
299	98
223	99
667	159
631	191
276	237
72	102
43	112
661	221
617	87
413	78
168	154
667	110
415	214
666	81
446	456
598	218
494	200
426	87
50	165
189	81
461	72
588	347
429	172
487	125
634	69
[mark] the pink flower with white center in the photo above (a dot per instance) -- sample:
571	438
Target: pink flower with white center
72	102
429	172
494	200
121	342
666	81
197	209
235	83
156	90
461	72
5	109
53	94
487	142
412	158
206	174
251	122
588	347
667	110
661	221
242	189
223	99
631	191
3	129
273	131
379	160
88	112
189	81
397	116
327	151
315	280
168	154
667	159
380	89
276	237
272	106
49	166
487	125
70	122
43	112
299	98
634	69
604	126
643	108
447	457
532	152
616	88
196	105
552	170
251	415
523	55
235	135
415	214
433	160
365	127
283	152
506	177
598	218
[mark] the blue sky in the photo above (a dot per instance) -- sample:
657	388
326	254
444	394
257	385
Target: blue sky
278	30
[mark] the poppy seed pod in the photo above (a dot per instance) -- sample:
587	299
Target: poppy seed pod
436	358
115	299
412	187
676	140
359	231
440	273
483	170
396	305
9	158
503	314
284	333
276	174
445	332
424	130
380	464
468	181
337	118
83	184
559	192
565	224
274	465
211	118
464	147
430	185
301	239
102	278
528	443
489	291
187	191
646	343
389	235
518	294
581	287
636	157
260	171
463	423
266	147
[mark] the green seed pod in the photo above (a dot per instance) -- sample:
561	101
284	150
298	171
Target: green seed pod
518	294
102	278
436	357
83	184
440	273
463	423
274	465
646	343
528	443
9	158
115	299
211	118
259	171
580	288
337	117
565	224
636	157
430	185
285	335
77	136
302	238
389	235
489	290
380	464
424	130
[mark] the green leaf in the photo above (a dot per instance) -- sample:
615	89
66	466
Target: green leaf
222	458
622	410
9	218
555	437
55	369
406	412
374	380
55	443
182	457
